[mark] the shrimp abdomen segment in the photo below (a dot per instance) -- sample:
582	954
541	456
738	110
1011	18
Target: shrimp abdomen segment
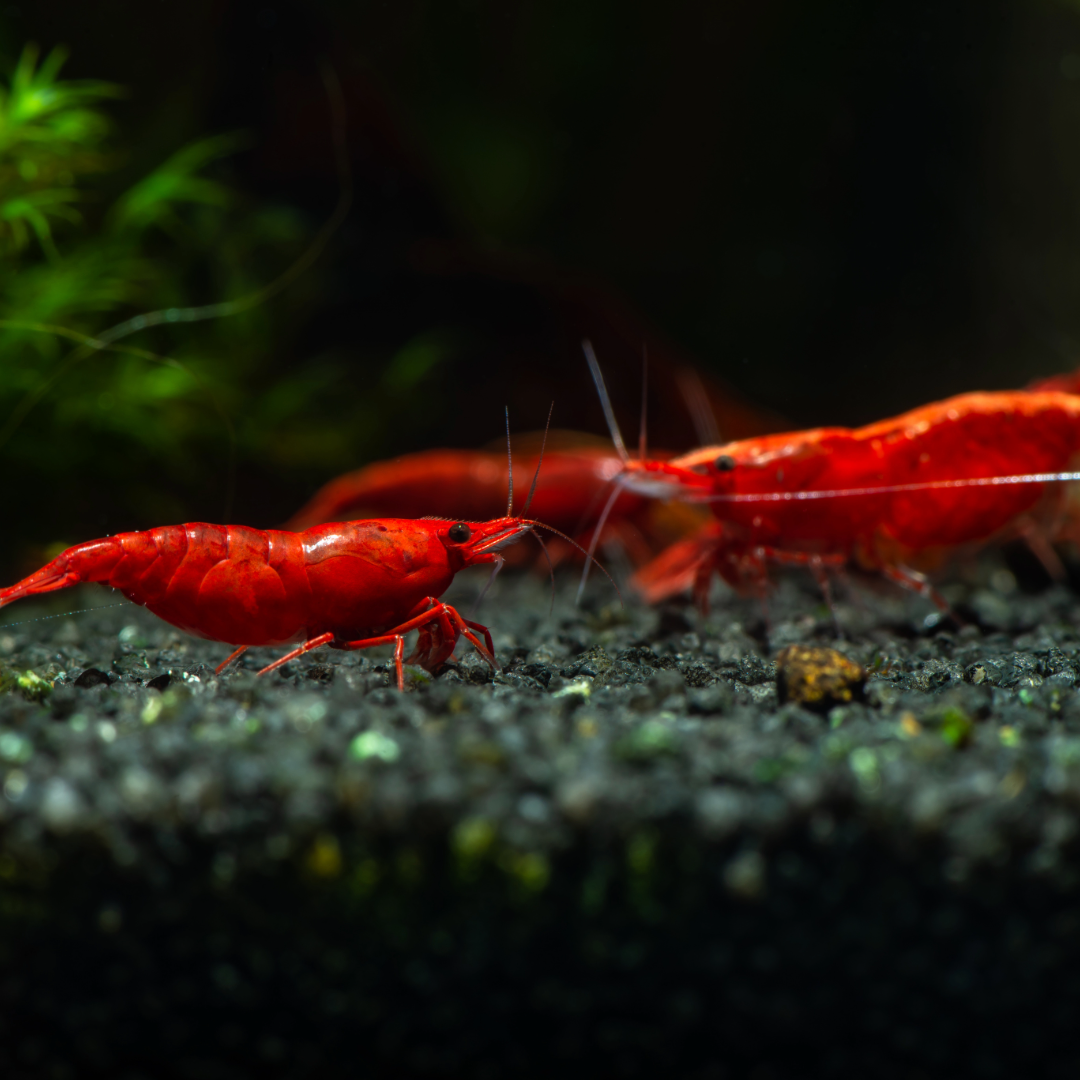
979	435
226	583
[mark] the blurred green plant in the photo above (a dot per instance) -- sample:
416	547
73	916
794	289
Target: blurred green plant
49	136
81	247
63	272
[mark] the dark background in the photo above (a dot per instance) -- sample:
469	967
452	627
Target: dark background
835	211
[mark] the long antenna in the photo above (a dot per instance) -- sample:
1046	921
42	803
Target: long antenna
605	400
574	544
892	489
495	568
644	400
540	461
509	468
697	402
616	491
551	570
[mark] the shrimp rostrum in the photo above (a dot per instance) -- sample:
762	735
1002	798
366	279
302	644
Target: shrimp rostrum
349	585
897	496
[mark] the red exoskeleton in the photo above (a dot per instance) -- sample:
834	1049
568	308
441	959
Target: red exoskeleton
349	585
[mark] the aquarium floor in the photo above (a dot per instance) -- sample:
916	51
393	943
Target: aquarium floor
618	856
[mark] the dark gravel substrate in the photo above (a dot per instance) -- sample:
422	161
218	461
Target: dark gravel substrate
621	856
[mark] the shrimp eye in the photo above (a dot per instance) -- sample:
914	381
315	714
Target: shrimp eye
725	463
459	532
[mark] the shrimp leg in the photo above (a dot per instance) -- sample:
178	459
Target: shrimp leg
915	582
433	648
235	655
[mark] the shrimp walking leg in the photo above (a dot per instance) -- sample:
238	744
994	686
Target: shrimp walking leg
313	643
1039	545
440	627
916	582
684	564
439	637
447	625
437	641
819	565
234	655
484	630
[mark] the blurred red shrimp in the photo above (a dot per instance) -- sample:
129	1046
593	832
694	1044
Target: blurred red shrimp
897	496
471	485
1067	382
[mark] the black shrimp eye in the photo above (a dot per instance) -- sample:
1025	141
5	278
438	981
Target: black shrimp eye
725	463
459	532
